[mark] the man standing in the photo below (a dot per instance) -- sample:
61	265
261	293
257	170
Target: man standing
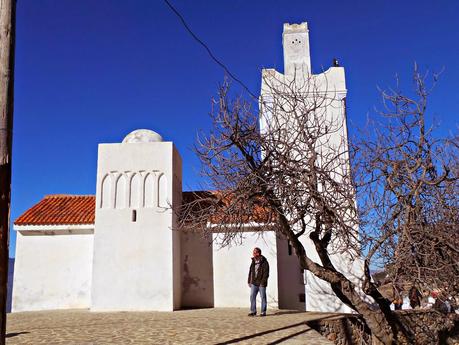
258	281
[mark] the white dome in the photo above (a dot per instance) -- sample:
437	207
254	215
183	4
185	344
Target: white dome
142	136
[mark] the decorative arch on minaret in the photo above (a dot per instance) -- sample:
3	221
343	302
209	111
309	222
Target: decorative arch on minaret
105	190
149	190
135	190
120	196
162	191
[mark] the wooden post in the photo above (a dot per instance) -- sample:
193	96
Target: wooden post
7	44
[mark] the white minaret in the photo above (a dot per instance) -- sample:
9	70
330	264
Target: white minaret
329	85
136	244
295	40
298	76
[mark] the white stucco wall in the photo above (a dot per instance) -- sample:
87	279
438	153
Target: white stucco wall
197	271
231	269
137	262
291	278
319	295
52	270
176	233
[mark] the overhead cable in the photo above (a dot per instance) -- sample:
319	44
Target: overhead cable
197	39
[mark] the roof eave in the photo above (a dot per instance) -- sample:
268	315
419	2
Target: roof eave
54	229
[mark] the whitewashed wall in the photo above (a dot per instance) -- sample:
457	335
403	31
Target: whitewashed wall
319	295
231	269
52	270
137	261
197	271
176	192
291	278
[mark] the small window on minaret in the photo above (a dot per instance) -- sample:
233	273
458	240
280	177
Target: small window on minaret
289	248
134	215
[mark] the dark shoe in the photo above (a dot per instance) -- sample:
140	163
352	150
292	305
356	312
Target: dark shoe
252	314
262	314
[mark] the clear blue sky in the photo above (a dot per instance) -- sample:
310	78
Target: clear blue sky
89	72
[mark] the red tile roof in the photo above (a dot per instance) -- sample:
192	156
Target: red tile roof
60	209
228	209
64	209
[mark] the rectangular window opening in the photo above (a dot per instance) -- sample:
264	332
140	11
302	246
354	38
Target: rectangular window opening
289	248
134	215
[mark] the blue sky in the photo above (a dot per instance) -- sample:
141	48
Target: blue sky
89	72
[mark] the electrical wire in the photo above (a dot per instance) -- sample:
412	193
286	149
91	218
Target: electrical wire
197	39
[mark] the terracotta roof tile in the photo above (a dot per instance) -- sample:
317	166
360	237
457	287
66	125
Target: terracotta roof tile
60	209
64	209
258	211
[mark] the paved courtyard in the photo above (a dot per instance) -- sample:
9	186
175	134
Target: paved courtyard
200	326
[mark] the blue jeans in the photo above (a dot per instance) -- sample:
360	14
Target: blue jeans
253	298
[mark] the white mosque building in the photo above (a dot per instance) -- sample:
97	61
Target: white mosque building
121	250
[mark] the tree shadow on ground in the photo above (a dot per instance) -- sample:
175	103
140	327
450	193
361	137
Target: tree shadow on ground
259	334
278	313
278	341
15	334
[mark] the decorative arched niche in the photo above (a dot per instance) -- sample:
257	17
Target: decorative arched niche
135	191
162	191
106	188
120	196
149	190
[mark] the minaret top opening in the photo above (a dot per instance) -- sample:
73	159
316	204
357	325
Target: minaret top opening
295	39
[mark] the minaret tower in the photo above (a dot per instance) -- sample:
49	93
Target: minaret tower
330	85
295	40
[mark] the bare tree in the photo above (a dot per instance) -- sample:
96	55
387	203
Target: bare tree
293	175
408	180
7	40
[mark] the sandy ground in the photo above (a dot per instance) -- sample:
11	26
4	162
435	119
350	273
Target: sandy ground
200	326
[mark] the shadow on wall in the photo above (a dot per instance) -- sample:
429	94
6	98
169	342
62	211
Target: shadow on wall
9	297
197	271
188	280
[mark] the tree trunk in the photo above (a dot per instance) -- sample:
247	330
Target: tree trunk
7	45
381	327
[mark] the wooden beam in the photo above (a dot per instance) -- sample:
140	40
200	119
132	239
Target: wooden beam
7	45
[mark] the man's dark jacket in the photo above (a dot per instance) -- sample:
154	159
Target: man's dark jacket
261	278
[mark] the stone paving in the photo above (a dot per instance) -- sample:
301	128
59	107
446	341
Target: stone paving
199	326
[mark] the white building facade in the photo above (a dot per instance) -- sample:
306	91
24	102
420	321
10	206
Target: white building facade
121	250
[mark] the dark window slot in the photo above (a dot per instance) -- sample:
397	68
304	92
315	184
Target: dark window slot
134	215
